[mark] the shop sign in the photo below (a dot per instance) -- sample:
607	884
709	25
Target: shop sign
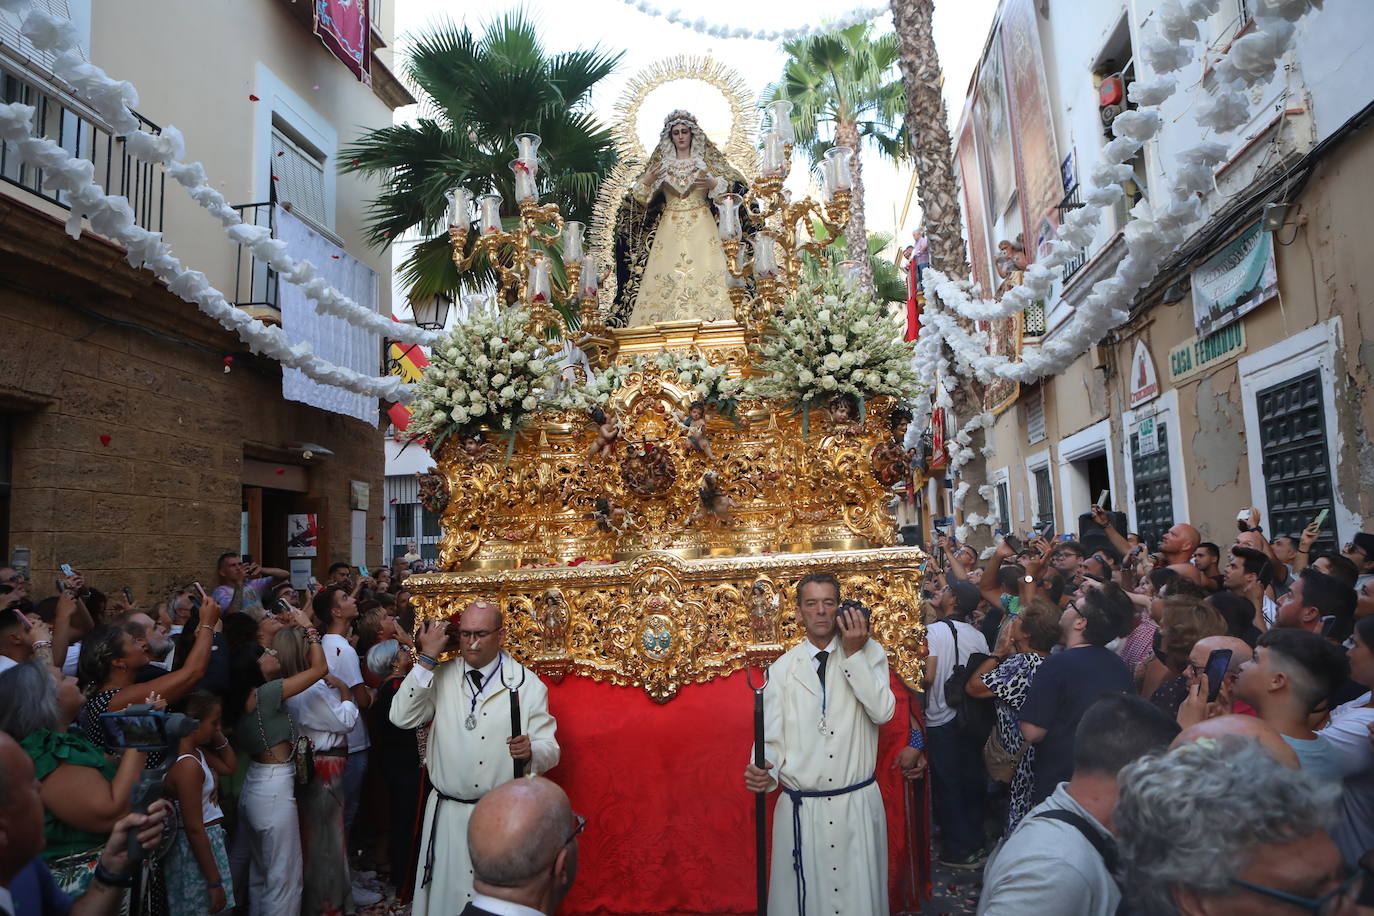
1147	436
1144	380
1198	353
1235	280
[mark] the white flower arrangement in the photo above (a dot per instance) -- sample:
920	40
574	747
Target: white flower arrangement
490	372
705	382
597	389
840	343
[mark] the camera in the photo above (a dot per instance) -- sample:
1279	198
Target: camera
143	728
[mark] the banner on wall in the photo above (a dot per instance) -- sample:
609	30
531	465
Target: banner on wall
1038	167
343	28
302	534
1235	280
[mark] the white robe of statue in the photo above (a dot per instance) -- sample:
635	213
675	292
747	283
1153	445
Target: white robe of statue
844	837
467	764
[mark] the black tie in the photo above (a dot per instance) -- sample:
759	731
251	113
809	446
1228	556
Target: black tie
821	656
476	678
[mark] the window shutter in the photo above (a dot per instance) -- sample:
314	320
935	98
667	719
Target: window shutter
16	45
299	178
1035	418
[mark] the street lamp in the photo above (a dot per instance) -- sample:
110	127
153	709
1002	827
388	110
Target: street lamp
431	313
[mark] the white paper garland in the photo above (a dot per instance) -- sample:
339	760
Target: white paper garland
715	30
114	100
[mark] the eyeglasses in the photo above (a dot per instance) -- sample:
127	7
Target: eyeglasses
17	577
1328	904
475	635
577	831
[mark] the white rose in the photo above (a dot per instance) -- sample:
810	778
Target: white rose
507	393
838	341
479	408
498	380
847	360
861	325
440	417
831	361
441	394
893	378
482	362
452	354
518	357
828	381
460	415
805	377
530	403
823	316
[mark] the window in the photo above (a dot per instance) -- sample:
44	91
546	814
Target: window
429	524
1035	417
405	523
1003	506
1044	496
1296	466
21	47
298	173
1152	488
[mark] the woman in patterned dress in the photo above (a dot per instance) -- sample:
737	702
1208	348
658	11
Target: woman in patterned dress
1026	641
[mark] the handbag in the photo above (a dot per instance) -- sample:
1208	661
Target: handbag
302	750
1001	764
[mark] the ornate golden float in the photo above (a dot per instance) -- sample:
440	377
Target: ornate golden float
618	567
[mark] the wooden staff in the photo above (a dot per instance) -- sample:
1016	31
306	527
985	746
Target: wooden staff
515	717
760	799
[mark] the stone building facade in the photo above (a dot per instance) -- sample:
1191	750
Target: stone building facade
138	439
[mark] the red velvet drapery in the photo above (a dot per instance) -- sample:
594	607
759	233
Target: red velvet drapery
670	826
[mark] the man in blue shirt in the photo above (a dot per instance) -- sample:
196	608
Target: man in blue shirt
26	885
1068	682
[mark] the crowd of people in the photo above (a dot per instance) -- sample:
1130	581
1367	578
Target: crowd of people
292	790
1105	728
1188	729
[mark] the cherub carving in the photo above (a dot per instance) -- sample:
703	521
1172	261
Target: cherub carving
607	432
695	421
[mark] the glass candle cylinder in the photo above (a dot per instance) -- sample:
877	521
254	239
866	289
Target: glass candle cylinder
527	148
489	219
526	192
848	273
781	113
459	207
729	217
765	256
774	156
588	283
572	241
841	155
539	285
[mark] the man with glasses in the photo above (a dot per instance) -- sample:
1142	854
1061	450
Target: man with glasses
523	842
1219	827
462	683
1359	551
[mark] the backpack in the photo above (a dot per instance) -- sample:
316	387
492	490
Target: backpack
974	719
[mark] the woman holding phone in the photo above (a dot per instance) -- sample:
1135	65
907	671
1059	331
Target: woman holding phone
268	825
109	663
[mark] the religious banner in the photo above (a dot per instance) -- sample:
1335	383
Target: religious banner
343	28
1144	381
967	161
992	121
1004	340
406	361
1235	280
1037	155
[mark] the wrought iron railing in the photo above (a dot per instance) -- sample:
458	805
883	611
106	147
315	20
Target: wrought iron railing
1071	201
255	282
82	133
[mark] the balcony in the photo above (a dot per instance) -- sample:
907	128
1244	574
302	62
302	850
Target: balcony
255	282
1071	201
82	133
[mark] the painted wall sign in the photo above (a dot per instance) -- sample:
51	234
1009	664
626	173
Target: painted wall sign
1144	381
1198	353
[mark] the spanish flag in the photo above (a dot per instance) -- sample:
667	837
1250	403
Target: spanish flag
408	361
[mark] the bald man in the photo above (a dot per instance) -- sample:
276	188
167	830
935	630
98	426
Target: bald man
523	840
1195	707
471	748
1246	727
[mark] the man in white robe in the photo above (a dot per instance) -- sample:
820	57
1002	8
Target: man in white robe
824	702
471	749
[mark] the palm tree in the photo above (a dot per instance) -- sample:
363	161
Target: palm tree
938	194
889	285
845	79
477	94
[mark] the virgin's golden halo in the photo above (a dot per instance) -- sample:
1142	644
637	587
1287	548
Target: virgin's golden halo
739	148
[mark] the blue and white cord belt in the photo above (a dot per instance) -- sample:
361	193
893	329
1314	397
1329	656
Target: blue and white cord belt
797	795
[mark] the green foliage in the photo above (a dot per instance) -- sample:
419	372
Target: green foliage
888	283
477	94
845	79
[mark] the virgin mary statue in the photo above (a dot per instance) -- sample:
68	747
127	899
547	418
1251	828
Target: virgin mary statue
669	262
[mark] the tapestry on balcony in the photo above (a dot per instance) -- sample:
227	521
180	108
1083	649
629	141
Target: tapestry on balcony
342	26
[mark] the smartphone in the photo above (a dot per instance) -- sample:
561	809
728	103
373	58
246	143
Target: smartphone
1321	517
1013	542
1217	663
200	593
1066	536
1102	498
128	594
1045	529
67	569
1328	624
247	559
362	571
141	731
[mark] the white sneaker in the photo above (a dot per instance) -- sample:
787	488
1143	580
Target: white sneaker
362	896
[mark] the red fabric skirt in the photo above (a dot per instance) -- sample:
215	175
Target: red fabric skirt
670	826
